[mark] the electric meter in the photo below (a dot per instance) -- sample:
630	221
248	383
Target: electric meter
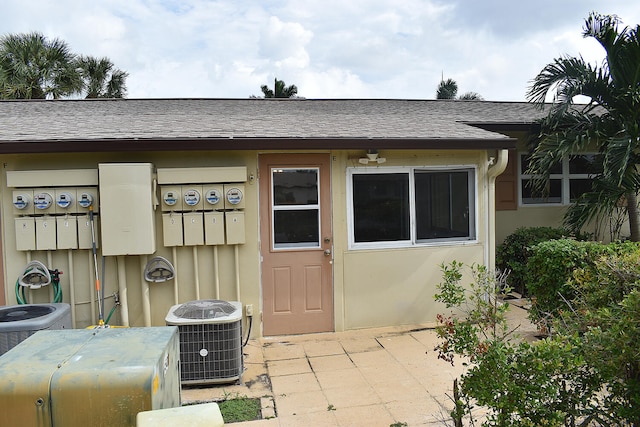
170	198
64	200
85	200
234	195
42	201
21	201
192	197
213	196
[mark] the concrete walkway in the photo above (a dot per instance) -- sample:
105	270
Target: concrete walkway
373	377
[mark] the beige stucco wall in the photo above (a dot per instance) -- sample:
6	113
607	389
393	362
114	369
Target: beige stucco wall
372	288
161	295
379	287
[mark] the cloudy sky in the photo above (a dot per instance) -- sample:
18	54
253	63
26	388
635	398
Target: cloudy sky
327	48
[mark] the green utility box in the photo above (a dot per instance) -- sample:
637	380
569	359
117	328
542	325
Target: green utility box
89	377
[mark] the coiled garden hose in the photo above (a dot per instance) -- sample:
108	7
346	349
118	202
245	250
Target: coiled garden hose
35	276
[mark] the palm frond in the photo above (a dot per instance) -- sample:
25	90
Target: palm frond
594	206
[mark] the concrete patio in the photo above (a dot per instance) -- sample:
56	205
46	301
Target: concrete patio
372	377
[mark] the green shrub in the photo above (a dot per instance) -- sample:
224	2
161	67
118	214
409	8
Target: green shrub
552	266
514	252
587	373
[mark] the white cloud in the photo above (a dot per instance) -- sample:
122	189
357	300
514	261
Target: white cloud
328	48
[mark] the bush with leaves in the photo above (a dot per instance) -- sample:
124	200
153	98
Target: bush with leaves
550	272
512	255
588	373
606	314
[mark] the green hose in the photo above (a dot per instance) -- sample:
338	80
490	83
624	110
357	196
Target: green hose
21	296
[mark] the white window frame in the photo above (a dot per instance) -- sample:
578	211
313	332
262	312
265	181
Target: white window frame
274	208
565	179
413	242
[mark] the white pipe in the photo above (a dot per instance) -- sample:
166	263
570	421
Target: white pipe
174	253
122	290
28	256
237	259
72	291
92	289
217	270
146	300
50	267
493	171
195	271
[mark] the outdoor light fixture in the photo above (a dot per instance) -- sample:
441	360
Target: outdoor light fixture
372	156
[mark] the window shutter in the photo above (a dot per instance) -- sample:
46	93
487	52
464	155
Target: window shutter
507	185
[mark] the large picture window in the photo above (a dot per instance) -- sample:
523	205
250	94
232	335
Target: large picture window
411	206
568	180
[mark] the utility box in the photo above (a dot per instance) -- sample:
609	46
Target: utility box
67	230
127	208
172	229
89	377
25	234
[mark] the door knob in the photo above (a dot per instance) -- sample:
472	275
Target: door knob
327	252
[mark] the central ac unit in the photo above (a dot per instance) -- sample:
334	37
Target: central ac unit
19	322
210	340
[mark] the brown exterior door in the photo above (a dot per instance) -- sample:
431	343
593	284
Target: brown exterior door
296	243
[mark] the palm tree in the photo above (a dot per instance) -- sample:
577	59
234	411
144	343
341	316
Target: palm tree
610	121
101	79
447	89
33	67
471	96
280	90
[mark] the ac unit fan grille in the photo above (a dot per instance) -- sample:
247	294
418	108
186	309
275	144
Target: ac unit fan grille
17	323
210	353
20	313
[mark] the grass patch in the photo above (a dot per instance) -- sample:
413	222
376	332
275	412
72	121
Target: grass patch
240	409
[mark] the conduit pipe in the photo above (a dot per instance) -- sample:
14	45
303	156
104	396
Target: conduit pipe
237	260
495	168
50	267
174	254
122	290
146	300
196	271
28	255
72	291
217	271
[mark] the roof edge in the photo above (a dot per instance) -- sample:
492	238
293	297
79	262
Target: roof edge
219	144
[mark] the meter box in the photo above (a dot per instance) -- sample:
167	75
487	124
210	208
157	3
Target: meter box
171	198
214	228
234	224
25	234
172	229
67	231
127	203
87	197
193	228
45	233
90	377
234	196
43	201
65	201
213	197
192	198
22	202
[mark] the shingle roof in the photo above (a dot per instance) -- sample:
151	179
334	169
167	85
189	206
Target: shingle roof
96	125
